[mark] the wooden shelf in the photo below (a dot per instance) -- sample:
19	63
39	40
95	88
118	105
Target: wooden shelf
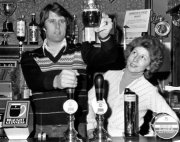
12	51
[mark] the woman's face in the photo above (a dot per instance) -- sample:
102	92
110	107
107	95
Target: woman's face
138	60
55	27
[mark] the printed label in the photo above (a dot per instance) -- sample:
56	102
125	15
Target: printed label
130	98
21	28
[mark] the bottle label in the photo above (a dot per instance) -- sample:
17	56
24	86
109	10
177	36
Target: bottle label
21	28
130	98
33	34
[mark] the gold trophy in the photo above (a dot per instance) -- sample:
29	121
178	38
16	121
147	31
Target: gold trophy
8	8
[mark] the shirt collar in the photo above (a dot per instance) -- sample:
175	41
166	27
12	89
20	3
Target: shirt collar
49	49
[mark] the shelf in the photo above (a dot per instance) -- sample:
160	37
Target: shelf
12	51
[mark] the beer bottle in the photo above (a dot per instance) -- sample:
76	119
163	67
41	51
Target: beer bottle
75	30
33	30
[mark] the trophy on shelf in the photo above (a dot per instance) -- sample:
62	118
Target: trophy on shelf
91	17
8	8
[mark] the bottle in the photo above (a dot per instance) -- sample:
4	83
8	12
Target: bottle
75	30
21	29
33	30
130	113
25	91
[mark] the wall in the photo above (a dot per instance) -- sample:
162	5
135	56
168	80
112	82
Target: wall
26	7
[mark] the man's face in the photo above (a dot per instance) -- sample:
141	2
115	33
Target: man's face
55	27
138	60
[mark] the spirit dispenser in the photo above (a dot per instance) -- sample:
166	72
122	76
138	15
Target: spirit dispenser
100	108
70	107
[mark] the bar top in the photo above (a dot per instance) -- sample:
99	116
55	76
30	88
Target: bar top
115	139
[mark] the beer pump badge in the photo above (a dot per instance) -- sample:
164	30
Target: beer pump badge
70	106
16	114
165	126
99	107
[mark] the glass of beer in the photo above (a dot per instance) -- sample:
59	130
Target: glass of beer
91	15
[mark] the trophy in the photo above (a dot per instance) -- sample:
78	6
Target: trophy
8	10
91	18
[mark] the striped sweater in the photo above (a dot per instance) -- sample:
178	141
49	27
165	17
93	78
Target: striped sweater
39	68
148	99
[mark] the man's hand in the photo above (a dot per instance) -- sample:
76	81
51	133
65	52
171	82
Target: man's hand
105	27
66	79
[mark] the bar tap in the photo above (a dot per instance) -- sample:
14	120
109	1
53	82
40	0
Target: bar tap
100	134
70	107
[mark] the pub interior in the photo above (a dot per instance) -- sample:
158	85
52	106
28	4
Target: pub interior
15	92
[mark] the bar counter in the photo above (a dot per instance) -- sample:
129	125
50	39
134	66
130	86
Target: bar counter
115	139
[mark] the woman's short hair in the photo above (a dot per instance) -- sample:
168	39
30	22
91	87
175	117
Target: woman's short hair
56	8
155	48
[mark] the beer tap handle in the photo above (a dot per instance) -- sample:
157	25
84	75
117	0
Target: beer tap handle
99	82
70	93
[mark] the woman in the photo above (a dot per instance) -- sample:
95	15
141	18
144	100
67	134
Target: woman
144	57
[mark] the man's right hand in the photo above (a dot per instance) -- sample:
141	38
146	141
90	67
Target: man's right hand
66	79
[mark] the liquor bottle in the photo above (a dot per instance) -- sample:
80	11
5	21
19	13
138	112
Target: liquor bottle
75	30
130	113
21	29
33	30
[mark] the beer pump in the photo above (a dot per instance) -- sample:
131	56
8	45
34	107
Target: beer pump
100	108
70	107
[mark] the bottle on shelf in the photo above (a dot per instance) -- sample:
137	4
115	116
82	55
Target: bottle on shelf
75	30
25	91
33	30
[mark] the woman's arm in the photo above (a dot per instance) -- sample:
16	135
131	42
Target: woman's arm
159	105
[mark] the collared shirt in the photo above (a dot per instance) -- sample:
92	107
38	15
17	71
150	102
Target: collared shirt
54	51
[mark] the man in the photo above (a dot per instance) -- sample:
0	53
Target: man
57	65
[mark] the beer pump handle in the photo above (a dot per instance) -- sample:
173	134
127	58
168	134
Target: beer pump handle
70	93
99	82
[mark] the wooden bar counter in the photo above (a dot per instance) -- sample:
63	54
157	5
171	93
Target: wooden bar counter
115	139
